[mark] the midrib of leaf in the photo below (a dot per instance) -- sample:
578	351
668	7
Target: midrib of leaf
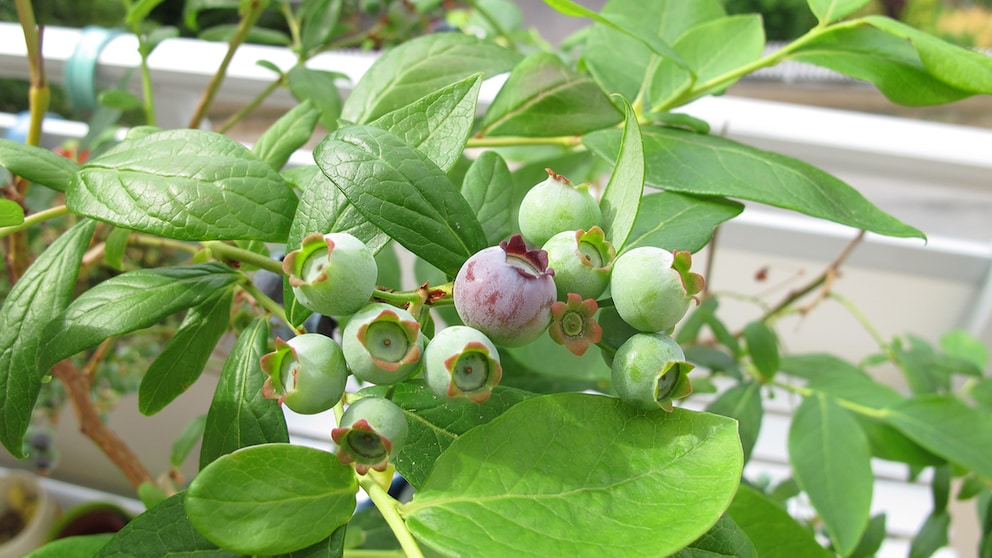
415	506
430	424
661	225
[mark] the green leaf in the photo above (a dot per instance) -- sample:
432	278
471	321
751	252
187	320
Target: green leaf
185	184
829	11
225	32
724	540
119	99
399	190
743	403
762	346
711	49
832	464
192	9
287	134
619	22
81	546
965	346
922	367
435	422
522	477
488	189
36	299
888	61
621	63
623	192
546	358
239	415
320	88
872	539
38	165
438	123
187	440
324	208
543	97
706	165
678	221
947	427
890	444
182	359
129	302
249	500
115	247
11	213
318	20
421	66
162	532
932	536
958	67
839	379
772	531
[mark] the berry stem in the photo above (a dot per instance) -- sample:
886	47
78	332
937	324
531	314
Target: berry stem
224	251
34	219
389	508
267	303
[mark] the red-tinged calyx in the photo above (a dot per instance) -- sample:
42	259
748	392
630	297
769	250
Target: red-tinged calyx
474	372
390	340
362	445
527	262
558	177
596	252
573	325
308	265
694	283
281	367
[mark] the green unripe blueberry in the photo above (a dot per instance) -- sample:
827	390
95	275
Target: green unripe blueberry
582	261
652	287
307	373
649	371
382	344
370	431
556	205
462	362
332	274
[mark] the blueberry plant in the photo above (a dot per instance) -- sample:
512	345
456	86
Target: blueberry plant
529	385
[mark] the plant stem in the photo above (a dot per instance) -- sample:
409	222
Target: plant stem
364	553
34	219
863	320
144	239
851	406
244	27
226	251
511	141
77	386
267	303
389	508
252	105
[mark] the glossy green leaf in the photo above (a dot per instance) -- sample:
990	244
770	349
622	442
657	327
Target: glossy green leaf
438	123
829	11
622	64
932	536
832	464
318	19
182	359
543	97
162	532
772	531
872	539
11	213
833	376
622	22
435	422
37	164
928	420
517	476
920	365
129	302
81	546
546	358
114	248
711	49
706	165
185	184
956	66
762	346
421	66
37	298
888	61
488	189
119	99
239	416
324	208
890	444
187	440
724	540
249	500
320	88
622	196
139	10
678	221
399	190
742	402
287	134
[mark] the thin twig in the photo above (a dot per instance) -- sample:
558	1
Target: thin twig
77	386
710	260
